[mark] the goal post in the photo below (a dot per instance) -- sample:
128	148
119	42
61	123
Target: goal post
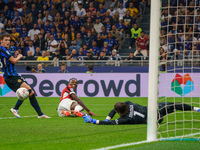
153	70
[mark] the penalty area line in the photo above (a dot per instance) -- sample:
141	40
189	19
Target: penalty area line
21	117
123	145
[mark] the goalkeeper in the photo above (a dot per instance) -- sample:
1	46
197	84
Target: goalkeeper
132	113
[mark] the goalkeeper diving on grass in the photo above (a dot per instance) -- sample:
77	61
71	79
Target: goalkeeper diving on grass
132	113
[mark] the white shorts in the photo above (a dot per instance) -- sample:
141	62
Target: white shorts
65	104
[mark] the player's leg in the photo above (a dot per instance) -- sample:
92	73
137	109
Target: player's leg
186	107
14	82
77	110
64	108
34	101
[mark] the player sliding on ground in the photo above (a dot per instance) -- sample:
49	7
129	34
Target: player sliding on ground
13	79
132	113
70	104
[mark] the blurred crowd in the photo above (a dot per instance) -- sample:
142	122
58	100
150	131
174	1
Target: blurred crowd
180	27
72	29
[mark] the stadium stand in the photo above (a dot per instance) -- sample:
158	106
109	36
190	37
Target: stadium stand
64	25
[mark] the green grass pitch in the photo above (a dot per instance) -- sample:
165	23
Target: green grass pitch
71	133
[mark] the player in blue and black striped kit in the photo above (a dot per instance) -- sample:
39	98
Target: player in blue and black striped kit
13	79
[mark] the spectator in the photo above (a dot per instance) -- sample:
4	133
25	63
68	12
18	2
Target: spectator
128	21
95	49
121	10
90	68
40	42
72	33
43	57
194	55
91	9
112	44
29	56
115	34
108	24
74	46
142	42
52	44
33	31
102	56
12	47
62	46
102	10
53	32
138	55
73	55
31	47
131	57
96	4
86	4
80	53
88	39
114	56
120	27
39	70
81	13
104	33
57	56
59	37
67	53
47	26
47	17
76	23
98	25
99	40
133	11
24	32
89	56
9	26
112	11
88	25
67	40
107	49
135	33
79	40
14	35
37	52
63	69
63	9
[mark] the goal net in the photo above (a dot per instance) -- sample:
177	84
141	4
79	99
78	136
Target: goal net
179	61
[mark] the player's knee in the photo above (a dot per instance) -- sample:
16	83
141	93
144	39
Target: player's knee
31	92
78	108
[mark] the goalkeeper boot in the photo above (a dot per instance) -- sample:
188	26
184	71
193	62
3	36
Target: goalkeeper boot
44	116
77	113
15	112
66	113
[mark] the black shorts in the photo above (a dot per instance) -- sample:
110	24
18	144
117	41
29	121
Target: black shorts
14	82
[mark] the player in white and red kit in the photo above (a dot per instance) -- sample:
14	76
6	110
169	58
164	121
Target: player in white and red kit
70	104
142	42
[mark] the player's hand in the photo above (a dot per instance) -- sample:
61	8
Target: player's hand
92	114
20	56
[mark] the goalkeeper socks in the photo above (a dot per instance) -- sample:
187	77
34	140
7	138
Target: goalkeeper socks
35	104
18	104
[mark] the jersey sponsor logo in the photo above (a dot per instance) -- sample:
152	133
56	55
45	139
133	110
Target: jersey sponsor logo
4	89
72	90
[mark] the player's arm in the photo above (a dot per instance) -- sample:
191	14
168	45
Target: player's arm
15	60
119	121
110	115
80	102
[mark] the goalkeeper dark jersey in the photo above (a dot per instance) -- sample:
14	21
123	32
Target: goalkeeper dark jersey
137	115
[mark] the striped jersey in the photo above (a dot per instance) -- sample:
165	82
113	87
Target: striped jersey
7	67
66	93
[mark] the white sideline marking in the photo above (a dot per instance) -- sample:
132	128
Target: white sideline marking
21	117
122	145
